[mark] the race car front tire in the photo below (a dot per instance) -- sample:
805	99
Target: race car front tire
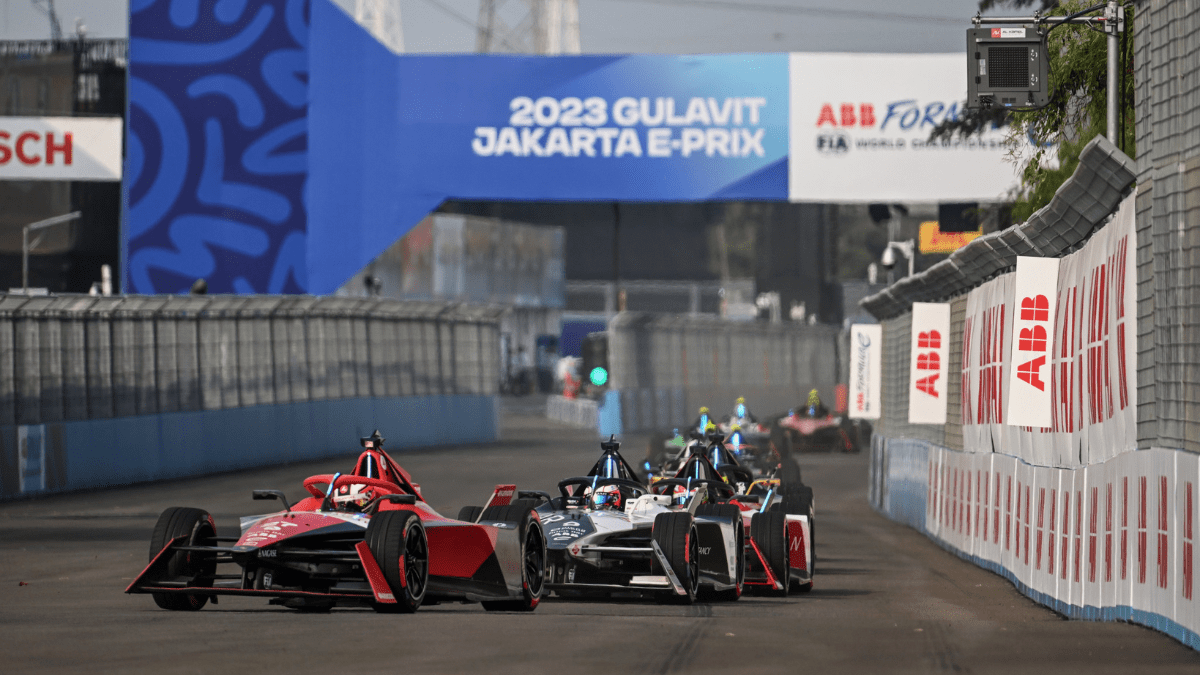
675	534
533	555
198	527
734	514
397	540
769	532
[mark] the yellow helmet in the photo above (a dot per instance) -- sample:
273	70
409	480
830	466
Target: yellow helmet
814	398
741	400
703	410
736	427
711	427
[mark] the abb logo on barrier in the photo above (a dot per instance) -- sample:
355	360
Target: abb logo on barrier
1033	339
32	148
1036	291
929	361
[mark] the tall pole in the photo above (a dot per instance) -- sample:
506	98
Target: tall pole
1111	26
41	224
25	259
616	256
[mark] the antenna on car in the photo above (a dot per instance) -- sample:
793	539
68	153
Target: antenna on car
374	441
611	444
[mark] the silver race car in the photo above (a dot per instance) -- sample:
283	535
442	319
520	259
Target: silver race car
607	533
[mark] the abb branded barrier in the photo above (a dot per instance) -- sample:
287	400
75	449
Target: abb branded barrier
1110	541
1049	488
927	368
60	148
276	146
1048	366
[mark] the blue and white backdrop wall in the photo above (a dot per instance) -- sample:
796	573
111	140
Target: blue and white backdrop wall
274	146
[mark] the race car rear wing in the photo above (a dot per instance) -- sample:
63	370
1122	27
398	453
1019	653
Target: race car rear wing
501	496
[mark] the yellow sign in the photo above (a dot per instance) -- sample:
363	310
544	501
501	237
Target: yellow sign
933	240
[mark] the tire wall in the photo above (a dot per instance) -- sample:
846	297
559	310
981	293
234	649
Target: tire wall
105	391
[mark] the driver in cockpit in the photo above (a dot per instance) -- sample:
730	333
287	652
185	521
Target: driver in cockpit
610	498
741	412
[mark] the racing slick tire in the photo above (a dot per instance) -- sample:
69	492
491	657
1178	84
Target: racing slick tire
789	471
397	540
470	514
676	536
533	555
198	527
490	513
781	441
798	500
733	513
769	532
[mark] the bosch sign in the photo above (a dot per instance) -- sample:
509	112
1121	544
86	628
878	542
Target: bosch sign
60	148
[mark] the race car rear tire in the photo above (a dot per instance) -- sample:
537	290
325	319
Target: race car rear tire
798	500
769	532
470	514
513	509
781	441
789	471
533	555
392	537
734	514
676	536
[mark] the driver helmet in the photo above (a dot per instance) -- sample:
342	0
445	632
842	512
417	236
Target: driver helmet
353	497
814	400
735	435
703	410
681	494
710	429
608	497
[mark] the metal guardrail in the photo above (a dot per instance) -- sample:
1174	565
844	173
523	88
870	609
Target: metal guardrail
84	357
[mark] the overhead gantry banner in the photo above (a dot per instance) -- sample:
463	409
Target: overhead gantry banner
275	146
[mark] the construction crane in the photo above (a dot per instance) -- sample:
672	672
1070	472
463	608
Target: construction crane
382	19
528	26
47	7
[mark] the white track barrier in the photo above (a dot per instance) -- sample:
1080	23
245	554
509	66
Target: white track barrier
1074	514
1110	541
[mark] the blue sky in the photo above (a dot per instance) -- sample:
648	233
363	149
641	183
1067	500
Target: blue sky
627	26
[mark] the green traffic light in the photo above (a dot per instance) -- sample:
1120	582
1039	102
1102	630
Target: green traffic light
599	376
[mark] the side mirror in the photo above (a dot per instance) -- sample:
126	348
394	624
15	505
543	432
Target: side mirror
271	494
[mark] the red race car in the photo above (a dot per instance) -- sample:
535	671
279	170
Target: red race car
366	538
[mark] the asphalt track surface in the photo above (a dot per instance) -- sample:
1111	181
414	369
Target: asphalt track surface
887	600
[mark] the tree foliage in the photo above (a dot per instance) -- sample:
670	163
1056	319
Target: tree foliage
1076	113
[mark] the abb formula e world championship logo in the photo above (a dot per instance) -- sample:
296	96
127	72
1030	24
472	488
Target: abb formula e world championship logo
835	121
